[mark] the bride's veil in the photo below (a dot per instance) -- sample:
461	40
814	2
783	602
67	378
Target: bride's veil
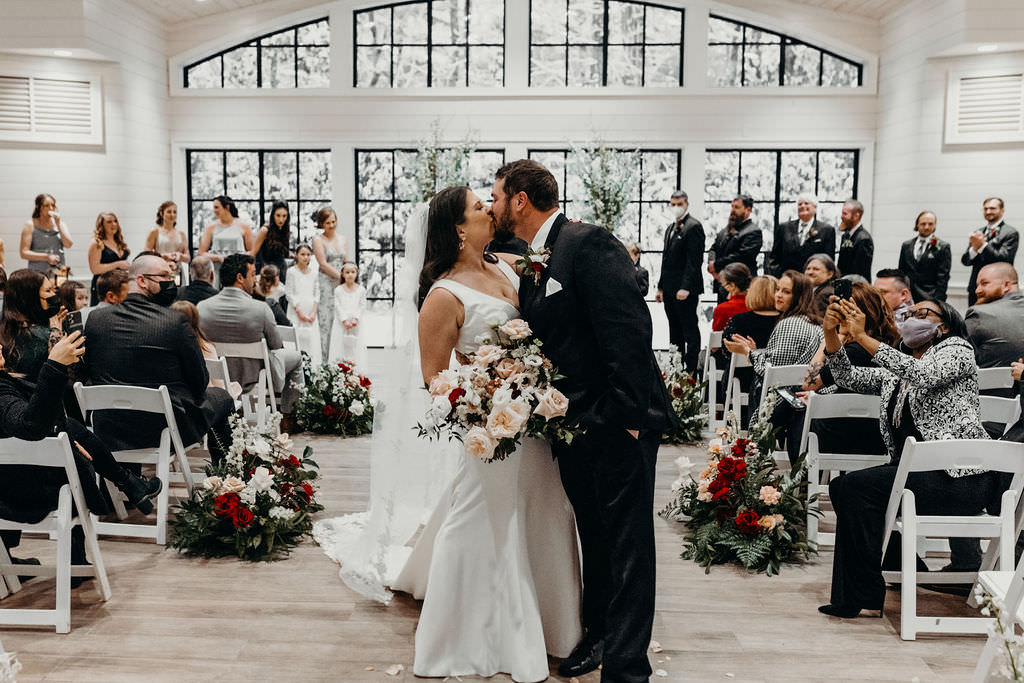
407	474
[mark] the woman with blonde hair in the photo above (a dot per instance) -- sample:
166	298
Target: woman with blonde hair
107	251
191	313
166	239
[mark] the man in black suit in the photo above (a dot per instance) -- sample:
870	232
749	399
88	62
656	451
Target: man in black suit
586	307
797	240
856	248
681	283
738	242
996	242
925	260
200	286
144	343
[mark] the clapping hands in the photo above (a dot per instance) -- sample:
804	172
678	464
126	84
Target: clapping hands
739	344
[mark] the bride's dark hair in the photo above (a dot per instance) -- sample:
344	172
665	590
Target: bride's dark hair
447	210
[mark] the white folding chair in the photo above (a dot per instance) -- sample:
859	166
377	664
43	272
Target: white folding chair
901	515
712	375
142	399
821	467
776	376
258	402
735	397
288	337
995	378
71	511
1004	411
218	369
1007	589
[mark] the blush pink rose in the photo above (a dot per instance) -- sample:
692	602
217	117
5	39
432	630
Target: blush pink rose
552	403
479	443
487	354
505	367
516	329
506	421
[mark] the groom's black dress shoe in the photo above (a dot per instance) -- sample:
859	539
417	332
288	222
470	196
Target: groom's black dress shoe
586	657
841	611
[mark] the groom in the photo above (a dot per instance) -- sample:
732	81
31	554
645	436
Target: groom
586	307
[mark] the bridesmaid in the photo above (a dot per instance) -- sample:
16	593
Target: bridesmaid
227	235
166	239
303	291
329	248
45	236
107	251
925	260
347	341
272	241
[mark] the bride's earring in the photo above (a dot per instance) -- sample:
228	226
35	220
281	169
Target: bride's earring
462	242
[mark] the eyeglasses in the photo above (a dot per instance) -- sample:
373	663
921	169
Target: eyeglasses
922	313
159	277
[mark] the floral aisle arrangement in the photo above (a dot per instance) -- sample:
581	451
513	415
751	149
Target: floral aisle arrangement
687	399
503	393
1011	655
335	400
741	508
256	504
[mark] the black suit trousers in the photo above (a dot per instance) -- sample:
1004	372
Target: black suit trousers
609	479
682	327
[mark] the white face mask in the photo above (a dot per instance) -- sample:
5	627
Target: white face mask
677	211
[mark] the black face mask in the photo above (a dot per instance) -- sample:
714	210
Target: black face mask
167	294
52	303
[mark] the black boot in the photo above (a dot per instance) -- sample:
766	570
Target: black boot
78	555
140	490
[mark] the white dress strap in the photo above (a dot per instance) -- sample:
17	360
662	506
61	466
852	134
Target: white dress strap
510	273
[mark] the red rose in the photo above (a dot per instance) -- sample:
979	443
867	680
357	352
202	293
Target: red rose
748	522
692	381
308	490
225	505
330	411
727	467
344	368
456	394
932	242
677	392
720	494
742	443
243	517
536	266
293	461
286	489
364	382
737	451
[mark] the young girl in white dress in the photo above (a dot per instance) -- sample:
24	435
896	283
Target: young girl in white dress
303	291
347	341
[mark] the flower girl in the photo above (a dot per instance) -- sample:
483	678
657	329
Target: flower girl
347	343
303	291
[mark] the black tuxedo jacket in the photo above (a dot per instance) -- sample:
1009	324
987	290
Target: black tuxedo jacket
1002	247
596	328
682	258
789	254
928	276
741	247
197	291
856	253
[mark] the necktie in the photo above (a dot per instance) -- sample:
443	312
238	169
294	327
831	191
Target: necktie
919	249
805	231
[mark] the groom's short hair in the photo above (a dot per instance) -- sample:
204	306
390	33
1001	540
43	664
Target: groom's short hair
530	177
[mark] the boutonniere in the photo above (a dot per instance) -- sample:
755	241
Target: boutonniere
847	244
992	233
933	242
535	262
812	233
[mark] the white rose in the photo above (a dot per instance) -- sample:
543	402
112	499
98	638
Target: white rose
502	396
479	444
260	447
516	329
212	483
440	407
232	484
262	479
506	421
357	409
551	403
487	354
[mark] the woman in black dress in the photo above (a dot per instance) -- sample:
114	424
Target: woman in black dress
272	243
107	251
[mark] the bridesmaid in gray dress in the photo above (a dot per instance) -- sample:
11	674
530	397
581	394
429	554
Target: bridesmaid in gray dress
227	235
329	248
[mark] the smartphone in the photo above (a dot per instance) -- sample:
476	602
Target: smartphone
73	322
792	399
842	288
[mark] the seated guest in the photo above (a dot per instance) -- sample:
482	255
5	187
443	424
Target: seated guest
930	394
895	288
734	279
234	316
757	323
925	260
200	286
30	319
191	314
995	324
821	269
144	343
73	295
111	288
643	279
269	286
33	411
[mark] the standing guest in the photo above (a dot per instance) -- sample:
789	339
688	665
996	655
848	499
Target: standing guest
165	239
303	291
821	270
798	240
111	288
739	242
200	286
73	295
142	342
347	340
45	237
735	279
30	321
995	242
227	235
857	249
329	249
643	279
107	251
681	282
895	289
925	260
995	324
273	241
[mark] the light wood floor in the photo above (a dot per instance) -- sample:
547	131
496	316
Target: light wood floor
176	618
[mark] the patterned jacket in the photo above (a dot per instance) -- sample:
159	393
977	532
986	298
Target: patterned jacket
943	391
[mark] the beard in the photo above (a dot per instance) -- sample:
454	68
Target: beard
504	225
735	221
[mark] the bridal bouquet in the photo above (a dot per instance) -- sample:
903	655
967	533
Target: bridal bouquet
504	392
687	396
256	504
335	400
741	508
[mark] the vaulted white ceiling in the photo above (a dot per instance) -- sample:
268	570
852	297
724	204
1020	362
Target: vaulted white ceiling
872	9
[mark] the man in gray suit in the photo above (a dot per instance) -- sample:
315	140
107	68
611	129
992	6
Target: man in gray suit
996	321
234	316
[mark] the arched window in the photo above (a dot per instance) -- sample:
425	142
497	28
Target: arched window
593	43
741	55
431	43
297	57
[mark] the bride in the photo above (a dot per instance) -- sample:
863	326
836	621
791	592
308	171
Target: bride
496	564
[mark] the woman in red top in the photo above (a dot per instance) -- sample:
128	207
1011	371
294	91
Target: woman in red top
734	278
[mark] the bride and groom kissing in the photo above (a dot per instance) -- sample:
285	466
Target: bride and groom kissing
497	563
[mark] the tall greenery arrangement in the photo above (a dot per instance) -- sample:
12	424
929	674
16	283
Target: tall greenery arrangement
687	396
440	164
609	176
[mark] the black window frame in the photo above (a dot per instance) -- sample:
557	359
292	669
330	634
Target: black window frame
257	42
604	44
429	45
784	42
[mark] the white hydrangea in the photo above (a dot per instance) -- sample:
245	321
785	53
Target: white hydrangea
248	495
278	512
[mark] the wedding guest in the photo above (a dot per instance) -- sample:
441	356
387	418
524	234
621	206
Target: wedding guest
893	285
30	320
273	241
112	288
925	260
3	286
73	295
227	235
107	250
269	285
734	279
995	324
821	269
996	241
200	286
166	239
1	254
739	242
857	249
681	282
643	279
191	313
757	323
798	240
930	394
45	236
303	290
329	249
347	340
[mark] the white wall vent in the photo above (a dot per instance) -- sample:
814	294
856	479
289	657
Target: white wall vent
50	109
985	108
